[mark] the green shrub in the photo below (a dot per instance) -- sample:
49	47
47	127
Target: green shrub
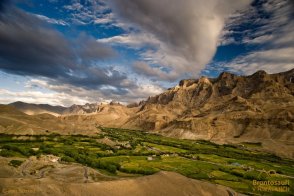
26	151
69	142
7	153
229	146
144	171
15	163
67	159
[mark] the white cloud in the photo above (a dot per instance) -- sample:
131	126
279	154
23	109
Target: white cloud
259	39
74	7
272	61
37	97
144	91
276	28
104	19
133	40
66	95
186	31
156	73
52	20
273	34
89	12
157	53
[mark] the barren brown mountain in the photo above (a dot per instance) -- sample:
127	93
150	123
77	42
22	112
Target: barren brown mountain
33	109
230	108
13	121
108	115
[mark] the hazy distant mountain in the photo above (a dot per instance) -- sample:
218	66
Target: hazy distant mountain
33	109
81	109
13	121
89	108
87	117
109	115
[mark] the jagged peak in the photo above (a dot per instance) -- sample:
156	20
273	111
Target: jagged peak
204	80
259	73
133	105
18	102
115	103
187	82
225	75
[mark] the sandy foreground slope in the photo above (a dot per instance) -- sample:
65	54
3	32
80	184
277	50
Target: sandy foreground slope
33	178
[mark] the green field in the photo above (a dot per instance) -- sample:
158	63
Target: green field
120	152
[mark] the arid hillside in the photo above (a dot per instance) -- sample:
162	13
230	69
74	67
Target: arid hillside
13	121
108	115
230	106
45	177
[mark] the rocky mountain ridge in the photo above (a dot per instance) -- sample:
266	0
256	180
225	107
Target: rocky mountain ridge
229	108
34	109
89	108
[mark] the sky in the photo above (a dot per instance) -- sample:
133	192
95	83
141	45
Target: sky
91	51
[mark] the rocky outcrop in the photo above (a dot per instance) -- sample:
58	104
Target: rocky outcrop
82	109
259	106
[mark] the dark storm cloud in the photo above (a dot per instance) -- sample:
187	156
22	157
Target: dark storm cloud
30	47
90	49
93	77
3	4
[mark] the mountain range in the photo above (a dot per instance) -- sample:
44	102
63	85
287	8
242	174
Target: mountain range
229	108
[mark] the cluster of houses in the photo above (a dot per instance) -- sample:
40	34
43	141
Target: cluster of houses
50	158
245	167
153	157
126	145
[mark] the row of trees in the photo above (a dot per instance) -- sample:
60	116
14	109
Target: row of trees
144	171
10	150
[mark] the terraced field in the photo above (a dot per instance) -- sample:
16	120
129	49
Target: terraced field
127	153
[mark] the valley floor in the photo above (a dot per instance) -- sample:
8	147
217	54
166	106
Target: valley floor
124	162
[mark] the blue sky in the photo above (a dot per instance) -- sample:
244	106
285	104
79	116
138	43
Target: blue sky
79	51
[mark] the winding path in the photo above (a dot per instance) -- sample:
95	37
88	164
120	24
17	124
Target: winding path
86	176
24	166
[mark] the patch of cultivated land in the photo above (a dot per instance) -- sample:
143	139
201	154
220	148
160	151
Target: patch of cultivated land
121	156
